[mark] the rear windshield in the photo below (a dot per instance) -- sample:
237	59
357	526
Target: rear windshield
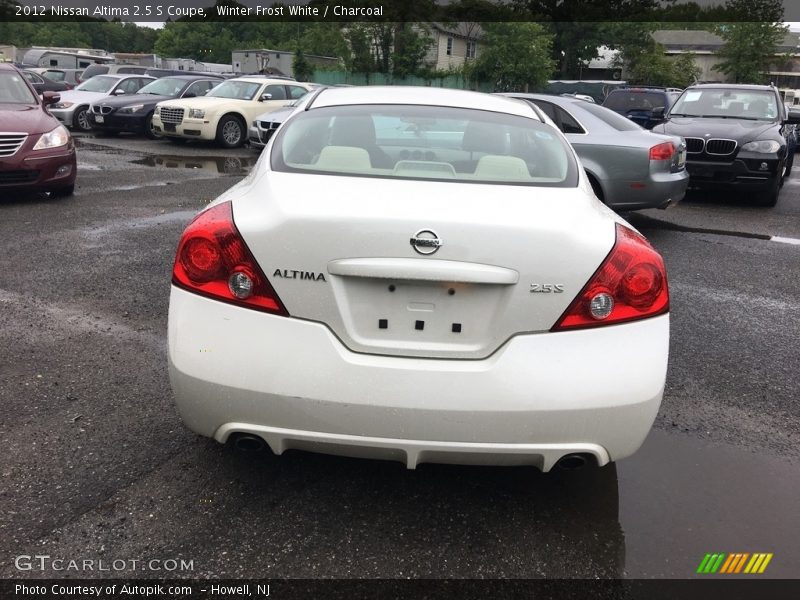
93	70
424	142
625	101
55	75
14	90
99	83
610	118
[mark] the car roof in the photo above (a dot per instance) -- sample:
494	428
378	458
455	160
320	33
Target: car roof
419	95
189	77
725	86
261	79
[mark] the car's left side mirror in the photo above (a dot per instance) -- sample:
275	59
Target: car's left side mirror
658	112
49	98
119	92
265	97
793	117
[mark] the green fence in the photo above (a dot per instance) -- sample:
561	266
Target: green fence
347	78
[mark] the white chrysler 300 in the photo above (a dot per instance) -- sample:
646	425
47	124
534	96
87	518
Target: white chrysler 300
422	275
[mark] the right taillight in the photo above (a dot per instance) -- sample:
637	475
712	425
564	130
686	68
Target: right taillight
214	261
663	151
630	284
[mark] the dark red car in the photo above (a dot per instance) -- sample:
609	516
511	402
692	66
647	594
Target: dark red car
37	153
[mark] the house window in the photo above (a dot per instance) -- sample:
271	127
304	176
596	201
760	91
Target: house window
472	46
449	46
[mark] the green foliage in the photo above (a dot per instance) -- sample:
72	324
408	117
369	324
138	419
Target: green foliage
107	35
645	62
749	49
302	68
410	47
514	56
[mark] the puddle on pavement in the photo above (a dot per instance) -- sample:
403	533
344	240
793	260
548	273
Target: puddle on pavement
227	165
680	498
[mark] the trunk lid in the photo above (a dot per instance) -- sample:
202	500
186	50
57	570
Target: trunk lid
338	251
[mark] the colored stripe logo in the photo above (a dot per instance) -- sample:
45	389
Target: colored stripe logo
733	563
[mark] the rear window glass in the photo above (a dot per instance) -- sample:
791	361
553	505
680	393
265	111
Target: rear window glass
610	118
424	142
625	101
93	70
55	75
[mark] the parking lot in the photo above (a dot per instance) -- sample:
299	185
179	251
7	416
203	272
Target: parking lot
98	465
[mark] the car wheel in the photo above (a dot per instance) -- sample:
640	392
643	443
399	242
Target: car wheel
789	165
81	119
149	132
230	132
770	197
63	192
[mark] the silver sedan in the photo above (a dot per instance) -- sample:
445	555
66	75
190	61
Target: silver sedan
629	167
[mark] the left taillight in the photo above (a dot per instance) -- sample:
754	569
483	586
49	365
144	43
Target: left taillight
630	284
214	261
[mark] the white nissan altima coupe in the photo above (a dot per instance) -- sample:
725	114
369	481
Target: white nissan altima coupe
421	275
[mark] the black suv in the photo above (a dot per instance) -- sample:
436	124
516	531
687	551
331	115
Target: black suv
644	106
736	137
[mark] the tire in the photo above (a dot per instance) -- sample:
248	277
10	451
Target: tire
63	192
80	120
770	197
148	129
789	166
230	132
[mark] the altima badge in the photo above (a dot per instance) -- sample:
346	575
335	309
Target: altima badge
426	241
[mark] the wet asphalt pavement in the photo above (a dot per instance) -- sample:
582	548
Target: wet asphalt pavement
96	463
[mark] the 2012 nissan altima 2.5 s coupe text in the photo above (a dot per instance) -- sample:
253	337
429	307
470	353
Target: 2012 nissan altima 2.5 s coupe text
421	275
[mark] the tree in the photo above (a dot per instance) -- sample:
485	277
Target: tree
751	44
578	26
303	70
514	56
411	44
645	62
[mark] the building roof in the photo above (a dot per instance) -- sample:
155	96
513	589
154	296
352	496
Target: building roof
470	31
699	40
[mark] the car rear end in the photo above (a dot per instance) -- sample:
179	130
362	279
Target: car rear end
636	169
415	318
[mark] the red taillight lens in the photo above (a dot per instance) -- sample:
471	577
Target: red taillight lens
630	284
663	151
214	261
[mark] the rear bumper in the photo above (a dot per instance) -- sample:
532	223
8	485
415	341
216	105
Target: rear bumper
536	399
659	190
